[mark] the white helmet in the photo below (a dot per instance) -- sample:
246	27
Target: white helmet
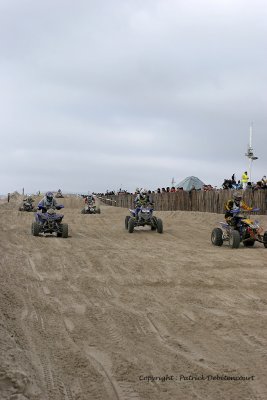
143	192
237	196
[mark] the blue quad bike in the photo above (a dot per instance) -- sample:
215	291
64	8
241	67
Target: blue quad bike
49	222
143	216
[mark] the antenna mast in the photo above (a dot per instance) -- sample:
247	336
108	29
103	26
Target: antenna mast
250	153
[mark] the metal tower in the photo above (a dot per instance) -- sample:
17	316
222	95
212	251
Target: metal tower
250	154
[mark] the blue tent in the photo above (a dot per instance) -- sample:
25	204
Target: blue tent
189	182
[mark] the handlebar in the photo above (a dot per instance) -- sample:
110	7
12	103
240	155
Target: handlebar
54	208
239	210
236	211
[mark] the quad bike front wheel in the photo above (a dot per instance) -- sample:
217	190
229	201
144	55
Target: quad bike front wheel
35	229
131	225
65	230
234	239
154	224
216	237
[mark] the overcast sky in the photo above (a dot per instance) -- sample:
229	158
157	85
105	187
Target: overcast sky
102	94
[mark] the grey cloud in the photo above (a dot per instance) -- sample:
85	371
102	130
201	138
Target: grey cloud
164	87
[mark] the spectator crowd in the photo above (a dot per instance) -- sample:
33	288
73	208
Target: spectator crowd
231	183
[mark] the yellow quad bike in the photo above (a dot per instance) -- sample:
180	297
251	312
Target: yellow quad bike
246	231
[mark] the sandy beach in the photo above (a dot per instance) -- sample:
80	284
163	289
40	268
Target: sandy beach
108	315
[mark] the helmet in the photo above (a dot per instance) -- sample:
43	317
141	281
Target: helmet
237	196
143	193
137	190
49	196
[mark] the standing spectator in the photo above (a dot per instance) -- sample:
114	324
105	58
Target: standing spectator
238	185
264	180
249	186
227	184
233	181
8	197
244	180
258	185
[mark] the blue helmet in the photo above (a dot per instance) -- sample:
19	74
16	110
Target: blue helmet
49	196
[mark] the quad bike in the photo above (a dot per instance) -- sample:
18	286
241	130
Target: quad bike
49	221
244	231
59	195
90	208
143	216
27	206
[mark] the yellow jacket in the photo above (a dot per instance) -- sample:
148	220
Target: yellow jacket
245	178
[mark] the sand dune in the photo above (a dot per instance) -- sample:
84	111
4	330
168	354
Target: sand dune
94	315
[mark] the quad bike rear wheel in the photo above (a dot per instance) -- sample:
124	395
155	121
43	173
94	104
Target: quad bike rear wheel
216	237
159	225
126	221
265	239
97	210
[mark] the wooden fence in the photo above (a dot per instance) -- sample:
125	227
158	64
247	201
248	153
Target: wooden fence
211	201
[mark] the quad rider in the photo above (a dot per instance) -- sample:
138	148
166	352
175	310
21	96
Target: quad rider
236	203
89	199
27	204
59	193
29	199
48	202
142	199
